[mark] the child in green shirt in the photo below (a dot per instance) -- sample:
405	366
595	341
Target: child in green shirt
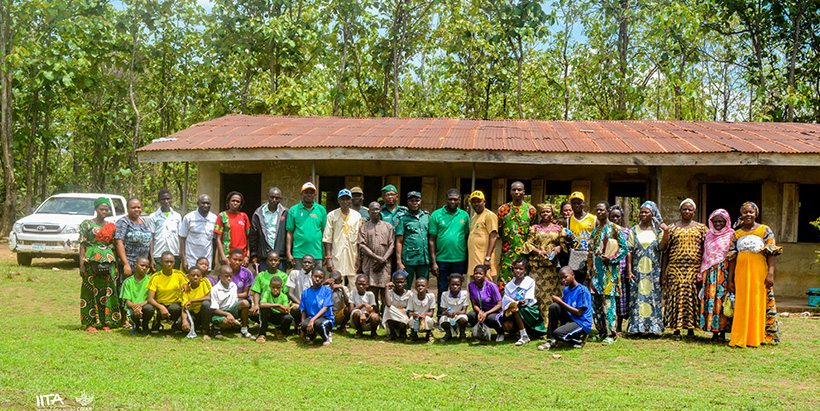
135	294
261	285
274	308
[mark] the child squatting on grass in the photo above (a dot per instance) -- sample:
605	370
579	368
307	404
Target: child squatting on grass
395	318
341	300
316	306
454	301
196	299
226	305
135	294
421	308
363	314
570	316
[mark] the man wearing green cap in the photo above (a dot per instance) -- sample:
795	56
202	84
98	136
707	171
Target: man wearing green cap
391	210
412	251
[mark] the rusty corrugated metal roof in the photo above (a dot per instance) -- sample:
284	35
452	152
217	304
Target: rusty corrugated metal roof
683	137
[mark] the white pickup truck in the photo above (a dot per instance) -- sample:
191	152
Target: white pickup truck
53	229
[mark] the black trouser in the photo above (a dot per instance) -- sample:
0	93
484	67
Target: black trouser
175	311
321	327
568	331
202	319
271	316
147	314
472	319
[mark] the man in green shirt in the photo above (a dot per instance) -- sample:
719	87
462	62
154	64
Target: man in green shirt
412	244
449	229
391	210
305	226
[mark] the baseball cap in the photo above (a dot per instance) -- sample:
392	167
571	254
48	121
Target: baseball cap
308	185
344	192
579	195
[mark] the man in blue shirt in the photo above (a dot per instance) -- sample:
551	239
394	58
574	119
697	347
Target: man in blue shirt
570	317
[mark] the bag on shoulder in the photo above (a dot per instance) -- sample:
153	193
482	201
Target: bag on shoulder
577	259
101	268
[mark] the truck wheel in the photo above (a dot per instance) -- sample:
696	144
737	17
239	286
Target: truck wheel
24	259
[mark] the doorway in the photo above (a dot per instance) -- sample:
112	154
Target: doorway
329	187
729	196
629	195
250	185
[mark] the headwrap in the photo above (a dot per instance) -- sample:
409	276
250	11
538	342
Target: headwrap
656	214
102	200
717	242
389	187
616	207
542	206
688	201
739	221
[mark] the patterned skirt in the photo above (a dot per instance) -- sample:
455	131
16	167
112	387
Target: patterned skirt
680	299
714	291
547	283
99	305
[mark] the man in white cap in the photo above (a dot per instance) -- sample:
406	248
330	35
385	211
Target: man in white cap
305	225
341	238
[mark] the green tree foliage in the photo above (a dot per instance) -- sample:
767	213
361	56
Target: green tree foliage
83	83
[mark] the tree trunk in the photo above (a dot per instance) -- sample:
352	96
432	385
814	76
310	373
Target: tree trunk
6	118
623	48
520	61
798	22
342	66
31	152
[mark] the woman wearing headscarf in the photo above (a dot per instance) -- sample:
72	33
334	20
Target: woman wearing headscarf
544	241
715	275
683	246
99	306
751	276
644	272
606	272
616	215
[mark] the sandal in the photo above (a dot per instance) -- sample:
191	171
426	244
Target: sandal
91	329
260	339
608	341
106	329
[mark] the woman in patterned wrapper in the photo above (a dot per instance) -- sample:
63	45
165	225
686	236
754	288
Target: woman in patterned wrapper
683	254
99	306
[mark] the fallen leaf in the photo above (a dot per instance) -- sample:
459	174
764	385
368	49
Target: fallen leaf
55	269
784	315
556	356
428	376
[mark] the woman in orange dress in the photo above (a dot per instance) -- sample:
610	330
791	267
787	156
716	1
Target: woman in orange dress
751	277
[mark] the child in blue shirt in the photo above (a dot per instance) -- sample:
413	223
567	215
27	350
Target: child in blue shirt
316	306
570	317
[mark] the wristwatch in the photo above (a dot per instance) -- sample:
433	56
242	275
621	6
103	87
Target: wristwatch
487	258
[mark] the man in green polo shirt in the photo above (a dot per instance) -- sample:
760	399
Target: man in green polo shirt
391	210
305	226
411	240
449	229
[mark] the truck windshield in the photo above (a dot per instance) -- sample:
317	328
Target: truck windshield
67	205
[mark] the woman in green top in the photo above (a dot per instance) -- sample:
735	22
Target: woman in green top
99	305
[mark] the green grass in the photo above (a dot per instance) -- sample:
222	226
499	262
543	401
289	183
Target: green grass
43	351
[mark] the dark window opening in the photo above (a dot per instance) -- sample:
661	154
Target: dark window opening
408	184
556	192
329	187
527	190
485	185
250	185
809	211
729	196
628	195
372	189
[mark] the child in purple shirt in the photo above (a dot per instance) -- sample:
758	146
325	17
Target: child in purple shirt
485	299
242	277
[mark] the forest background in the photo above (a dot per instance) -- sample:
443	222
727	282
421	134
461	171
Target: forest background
83	83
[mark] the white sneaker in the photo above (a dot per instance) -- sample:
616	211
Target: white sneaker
523	340
248	335
499	338
329	338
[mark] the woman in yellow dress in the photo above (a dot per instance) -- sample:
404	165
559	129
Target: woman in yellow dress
751	277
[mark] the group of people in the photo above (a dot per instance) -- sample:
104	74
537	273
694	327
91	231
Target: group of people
562	270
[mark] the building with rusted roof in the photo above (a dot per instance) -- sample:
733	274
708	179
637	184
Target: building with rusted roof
719	165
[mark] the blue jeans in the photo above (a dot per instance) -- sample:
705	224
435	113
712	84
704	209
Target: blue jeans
445	268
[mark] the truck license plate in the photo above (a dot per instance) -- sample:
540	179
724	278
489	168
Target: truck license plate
38	247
